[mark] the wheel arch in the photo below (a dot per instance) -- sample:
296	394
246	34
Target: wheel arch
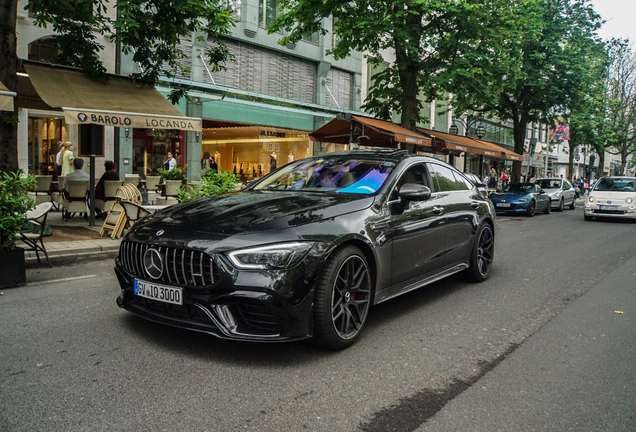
366	251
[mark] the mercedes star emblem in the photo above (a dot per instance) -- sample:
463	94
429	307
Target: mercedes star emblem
160	232
153	263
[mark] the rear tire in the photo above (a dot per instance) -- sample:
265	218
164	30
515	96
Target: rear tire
482	255
342	299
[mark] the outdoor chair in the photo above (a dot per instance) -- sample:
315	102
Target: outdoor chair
57	197
110	190
41	192
116	221
33	238
75	199
133	179
134	211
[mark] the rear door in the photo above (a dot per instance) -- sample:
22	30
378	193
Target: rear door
462	204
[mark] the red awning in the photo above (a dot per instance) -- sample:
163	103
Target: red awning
367	132
446	143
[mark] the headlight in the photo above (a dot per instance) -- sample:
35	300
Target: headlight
629	200
522	199
279	256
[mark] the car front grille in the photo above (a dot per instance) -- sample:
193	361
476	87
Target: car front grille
180	266
610	212
258	317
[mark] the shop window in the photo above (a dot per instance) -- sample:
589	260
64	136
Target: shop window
44	135
43	50
267	12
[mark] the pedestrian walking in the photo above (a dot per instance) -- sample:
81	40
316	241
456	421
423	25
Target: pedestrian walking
170	163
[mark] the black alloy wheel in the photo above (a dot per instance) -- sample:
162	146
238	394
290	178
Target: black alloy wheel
548	208
531	208
560	205
342	299
483	254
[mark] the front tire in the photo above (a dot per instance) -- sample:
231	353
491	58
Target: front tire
483	254
548	209
342	298
560	205
573	205
531	208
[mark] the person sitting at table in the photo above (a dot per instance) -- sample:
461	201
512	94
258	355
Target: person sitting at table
110	174
78	174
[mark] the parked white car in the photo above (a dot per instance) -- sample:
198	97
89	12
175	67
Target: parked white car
561	192
612	197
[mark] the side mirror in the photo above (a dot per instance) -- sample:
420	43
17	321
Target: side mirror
480	185
542	192
414	192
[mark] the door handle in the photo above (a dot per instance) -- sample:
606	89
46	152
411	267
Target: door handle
379	226
474	204
438	209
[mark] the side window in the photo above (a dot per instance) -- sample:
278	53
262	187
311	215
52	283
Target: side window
566	185
443	178
416	174
462	182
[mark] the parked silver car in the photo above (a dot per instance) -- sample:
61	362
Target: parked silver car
561	192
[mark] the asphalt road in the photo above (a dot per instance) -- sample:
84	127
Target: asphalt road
536	347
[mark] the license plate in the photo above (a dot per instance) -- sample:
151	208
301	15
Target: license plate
160	293
503	204
608	207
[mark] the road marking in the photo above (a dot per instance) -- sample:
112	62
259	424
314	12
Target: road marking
61	280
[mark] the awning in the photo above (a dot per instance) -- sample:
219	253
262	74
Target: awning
449	142
114	101
507	154
366	131
6	98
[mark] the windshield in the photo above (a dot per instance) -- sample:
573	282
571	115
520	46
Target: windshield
549	184
340	175
609	184
519	187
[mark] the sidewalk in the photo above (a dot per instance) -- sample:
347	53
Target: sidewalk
73	240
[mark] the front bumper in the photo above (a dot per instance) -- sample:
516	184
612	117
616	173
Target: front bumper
622	211
241	305
514	207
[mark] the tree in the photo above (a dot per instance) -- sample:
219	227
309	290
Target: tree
530	77
426	37
620	116
150	29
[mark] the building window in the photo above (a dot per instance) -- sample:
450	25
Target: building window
267	12
234	6
44	50
334	37
313	38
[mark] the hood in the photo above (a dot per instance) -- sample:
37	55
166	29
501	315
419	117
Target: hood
508	195
253	211
615	197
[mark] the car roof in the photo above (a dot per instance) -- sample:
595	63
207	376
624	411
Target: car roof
393	155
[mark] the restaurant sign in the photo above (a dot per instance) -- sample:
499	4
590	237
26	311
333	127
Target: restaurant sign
130	120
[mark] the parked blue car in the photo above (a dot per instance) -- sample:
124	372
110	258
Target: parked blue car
527	198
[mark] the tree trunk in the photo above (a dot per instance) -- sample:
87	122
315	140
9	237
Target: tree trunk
520	124
601	164
8	68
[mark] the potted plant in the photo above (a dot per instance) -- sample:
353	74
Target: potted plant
212	183
14	203
173	179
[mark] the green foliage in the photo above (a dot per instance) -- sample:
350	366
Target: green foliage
150	30
212	183
14	203
9	119
426	36
175	174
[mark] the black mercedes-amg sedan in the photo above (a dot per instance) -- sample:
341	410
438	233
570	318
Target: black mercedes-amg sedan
305	251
